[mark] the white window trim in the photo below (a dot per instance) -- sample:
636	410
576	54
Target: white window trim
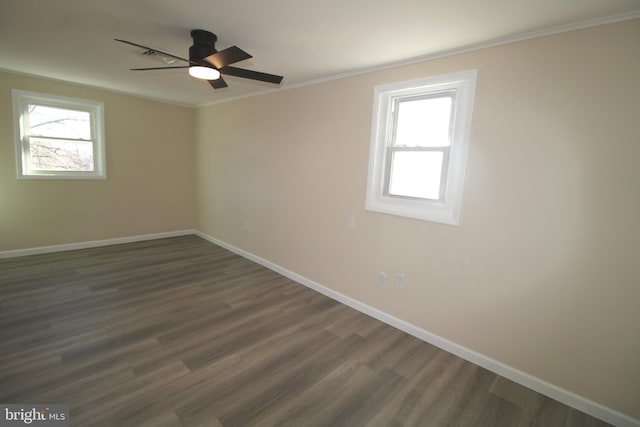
95	108
447	211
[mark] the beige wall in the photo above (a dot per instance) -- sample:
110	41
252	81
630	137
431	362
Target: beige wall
150	180
543	274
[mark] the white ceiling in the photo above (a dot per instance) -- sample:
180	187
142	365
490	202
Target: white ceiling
72	40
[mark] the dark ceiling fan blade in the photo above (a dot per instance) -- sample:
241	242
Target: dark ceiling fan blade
218	83
153	49
227	56
158	68
250	74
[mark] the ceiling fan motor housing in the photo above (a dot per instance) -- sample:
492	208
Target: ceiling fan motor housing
203	45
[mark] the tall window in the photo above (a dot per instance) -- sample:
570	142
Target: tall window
419	142
58	137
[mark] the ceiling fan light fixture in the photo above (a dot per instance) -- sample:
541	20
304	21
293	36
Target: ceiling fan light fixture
204	73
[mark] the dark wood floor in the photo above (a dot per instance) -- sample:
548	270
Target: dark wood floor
180	332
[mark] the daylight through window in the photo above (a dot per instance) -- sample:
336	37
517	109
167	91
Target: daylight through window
419	145
58	137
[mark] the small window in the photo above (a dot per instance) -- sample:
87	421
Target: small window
58	137
419	141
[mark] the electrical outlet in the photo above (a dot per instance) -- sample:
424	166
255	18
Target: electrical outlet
247	226
382	276
400	281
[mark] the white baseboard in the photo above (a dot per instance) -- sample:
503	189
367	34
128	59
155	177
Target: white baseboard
92	244
568	398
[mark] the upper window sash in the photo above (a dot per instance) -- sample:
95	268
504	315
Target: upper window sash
423	133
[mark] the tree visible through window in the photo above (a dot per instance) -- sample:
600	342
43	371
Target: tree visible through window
58	137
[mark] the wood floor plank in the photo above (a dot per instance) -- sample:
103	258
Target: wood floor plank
411	405
543	411
580	419
361	404
319	404
138	391
510	391
181	332
271	392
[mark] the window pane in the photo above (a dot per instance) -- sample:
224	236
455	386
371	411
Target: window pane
423	122
416	174
60	155
59	122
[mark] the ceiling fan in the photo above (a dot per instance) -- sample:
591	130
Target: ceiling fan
207	63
